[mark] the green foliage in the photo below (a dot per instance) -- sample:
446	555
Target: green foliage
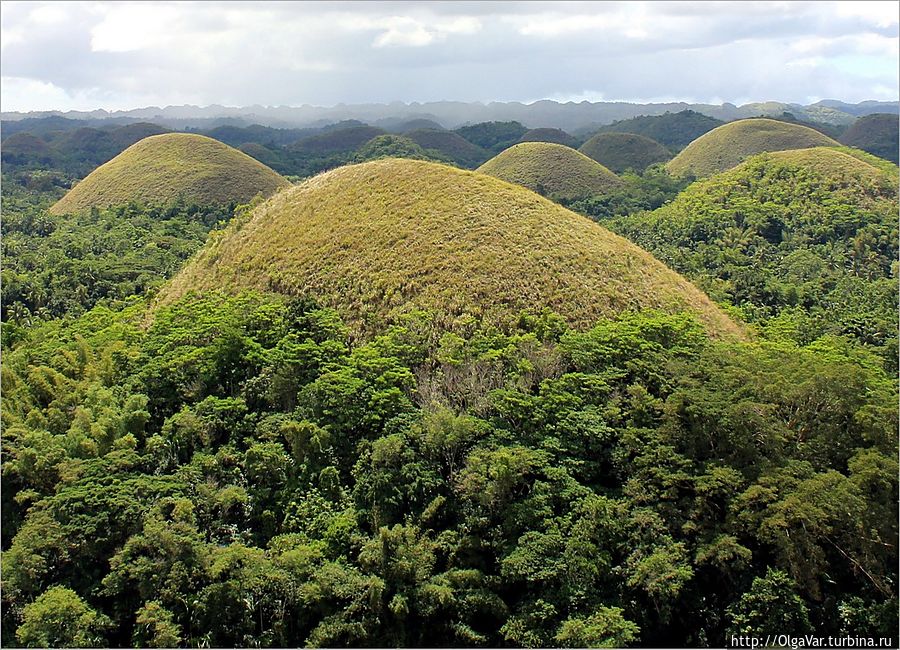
59	618
240	472
393	146
557	136
450	145
772	604
805	242
878	134
646	191
493	136
673	130
64	264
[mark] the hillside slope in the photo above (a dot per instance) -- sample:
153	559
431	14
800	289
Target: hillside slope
164	168
810	232
878	134
383	238
726	146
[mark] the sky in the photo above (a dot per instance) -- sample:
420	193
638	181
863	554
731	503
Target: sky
121	55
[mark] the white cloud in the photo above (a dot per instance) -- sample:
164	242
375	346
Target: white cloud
113	53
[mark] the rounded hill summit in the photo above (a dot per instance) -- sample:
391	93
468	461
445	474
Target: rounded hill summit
165	168
387	237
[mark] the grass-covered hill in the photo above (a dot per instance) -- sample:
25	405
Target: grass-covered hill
879	134
551	170
557	136
450	144
341	140
804	240
176	166
621	151
673	130
726	146
385	238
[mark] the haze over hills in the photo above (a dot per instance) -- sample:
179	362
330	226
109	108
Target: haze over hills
568	116
382	238
165	168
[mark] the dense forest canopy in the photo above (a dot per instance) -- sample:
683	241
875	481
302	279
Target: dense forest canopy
246	469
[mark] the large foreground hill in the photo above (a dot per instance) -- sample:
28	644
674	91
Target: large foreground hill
383	238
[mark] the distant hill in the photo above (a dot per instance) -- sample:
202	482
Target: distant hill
552	170
569	116
405	126
338	140
879	134
621	151
726	146
672	130
450	144
24	149
176	166
76	151
391	146
557	136
380	239
493	136
235	136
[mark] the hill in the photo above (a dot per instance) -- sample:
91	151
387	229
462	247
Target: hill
493	136
878	134
726	146
806	236
388	237
391	146
25	149
621	151
557	136
450	144
551	170
341	140
673	130
164	168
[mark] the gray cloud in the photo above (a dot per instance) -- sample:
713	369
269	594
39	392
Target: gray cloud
121	55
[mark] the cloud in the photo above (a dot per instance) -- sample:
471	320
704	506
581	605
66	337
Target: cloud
122	54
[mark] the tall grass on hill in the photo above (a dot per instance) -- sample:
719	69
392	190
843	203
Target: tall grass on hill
388	237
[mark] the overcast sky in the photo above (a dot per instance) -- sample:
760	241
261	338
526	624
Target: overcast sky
127	55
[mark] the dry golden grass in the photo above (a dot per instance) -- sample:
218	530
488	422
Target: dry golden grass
726	146
383	238
164	168
551	170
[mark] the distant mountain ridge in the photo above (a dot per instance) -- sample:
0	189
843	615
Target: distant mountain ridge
544	113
